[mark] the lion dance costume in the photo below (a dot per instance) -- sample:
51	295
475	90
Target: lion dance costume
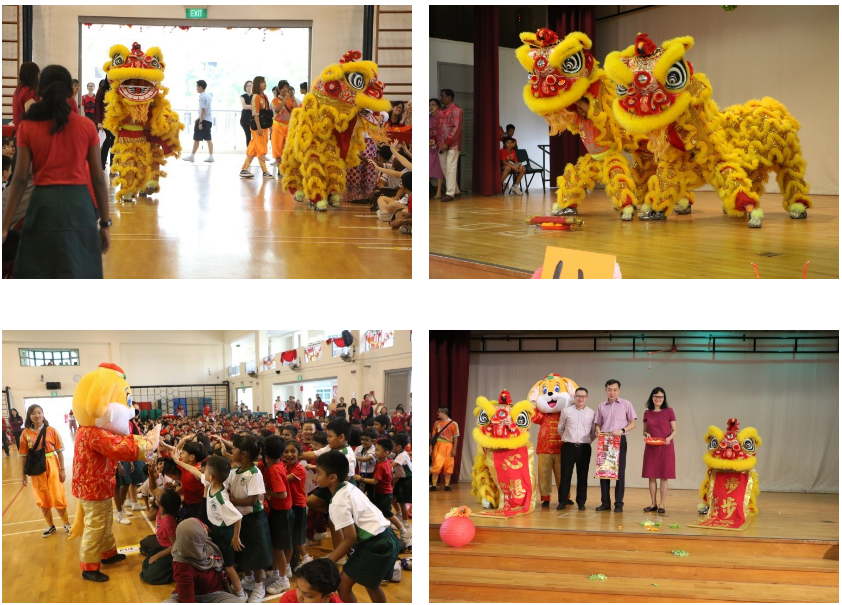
661	97
326	131
562	75
550	396
139	115
503	477
731	486
102	404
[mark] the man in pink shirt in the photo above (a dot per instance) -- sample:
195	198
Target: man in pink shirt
615	416
576	427
449	127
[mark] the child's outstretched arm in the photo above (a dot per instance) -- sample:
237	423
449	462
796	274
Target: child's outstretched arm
193	470
349	539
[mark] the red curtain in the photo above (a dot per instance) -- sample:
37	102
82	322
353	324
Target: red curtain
567	148
450	354
487	175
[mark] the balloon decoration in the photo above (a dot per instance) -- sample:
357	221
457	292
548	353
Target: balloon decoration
457	529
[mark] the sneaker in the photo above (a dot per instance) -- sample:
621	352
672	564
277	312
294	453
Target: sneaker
288	572
138	506
247	583
257	594
210	159
241	596
127	511
67	528
121	519
406	533
517	189
246	174
277	586
321	536
304	559
405	229
188	158
49	531
268	175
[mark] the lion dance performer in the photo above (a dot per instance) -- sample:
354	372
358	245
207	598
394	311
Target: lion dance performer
570	91
326	131
102	404
443	442
731	486
503	477
550	396
140	117
661	97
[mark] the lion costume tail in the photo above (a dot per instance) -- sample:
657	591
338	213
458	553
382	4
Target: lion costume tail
78	527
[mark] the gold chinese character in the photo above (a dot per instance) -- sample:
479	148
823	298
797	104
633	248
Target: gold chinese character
732	484
516	488
512	462
729	506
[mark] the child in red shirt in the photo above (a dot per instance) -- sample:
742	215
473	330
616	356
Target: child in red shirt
508	158
315	582
382	482
281	517
296	478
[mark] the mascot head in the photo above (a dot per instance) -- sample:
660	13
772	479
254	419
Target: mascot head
103	399
732	450
352	82
502	425
653	83
552	394
135	74
560	71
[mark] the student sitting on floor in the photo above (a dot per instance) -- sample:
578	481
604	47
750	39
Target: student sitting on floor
363	528
315	582
197	567
157	567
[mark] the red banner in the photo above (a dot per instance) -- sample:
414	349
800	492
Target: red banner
608	456
514	477
728	495
289	356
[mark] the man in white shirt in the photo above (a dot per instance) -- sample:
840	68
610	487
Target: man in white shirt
576	427
202	128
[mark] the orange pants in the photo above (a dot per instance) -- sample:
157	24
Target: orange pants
48	488
259	145
279	138
442	460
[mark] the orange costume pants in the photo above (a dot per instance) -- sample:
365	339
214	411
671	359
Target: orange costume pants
48	488
442	458
279	138
259	145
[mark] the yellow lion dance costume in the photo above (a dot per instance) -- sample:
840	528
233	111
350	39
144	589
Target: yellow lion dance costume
571	92
139	115
730	488
660	96
326	131
503	477
102	405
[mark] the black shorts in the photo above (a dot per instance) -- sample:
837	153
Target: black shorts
280	528
299	525
383	502
205	133
222	536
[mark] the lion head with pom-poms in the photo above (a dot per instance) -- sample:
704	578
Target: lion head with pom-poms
732	449
502	424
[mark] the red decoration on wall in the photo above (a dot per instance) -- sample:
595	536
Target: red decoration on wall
289	356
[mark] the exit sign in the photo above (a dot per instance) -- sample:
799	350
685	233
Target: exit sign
301	378
197	13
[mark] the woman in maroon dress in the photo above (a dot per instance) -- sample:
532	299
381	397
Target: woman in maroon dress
658	460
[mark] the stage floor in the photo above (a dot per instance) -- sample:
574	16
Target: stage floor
782	516
705	244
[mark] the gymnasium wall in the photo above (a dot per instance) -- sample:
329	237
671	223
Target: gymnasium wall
790	53
793	404
336	29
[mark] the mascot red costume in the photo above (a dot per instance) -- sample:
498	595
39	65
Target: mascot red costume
550	395
102	404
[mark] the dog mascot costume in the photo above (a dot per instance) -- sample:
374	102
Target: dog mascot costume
102	404
550	396
503	477
731	486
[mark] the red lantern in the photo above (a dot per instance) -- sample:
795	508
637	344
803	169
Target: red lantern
457	531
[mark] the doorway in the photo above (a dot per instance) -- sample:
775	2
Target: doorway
245	395
398	389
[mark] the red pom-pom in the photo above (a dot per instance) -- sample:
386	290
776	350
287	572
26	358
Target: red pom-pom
457	531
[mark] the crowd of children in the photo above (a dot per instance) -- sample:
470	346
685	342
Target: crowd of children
265	490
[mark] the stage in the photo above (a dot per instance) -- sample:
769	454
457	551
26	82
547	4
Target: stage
789	553
486	237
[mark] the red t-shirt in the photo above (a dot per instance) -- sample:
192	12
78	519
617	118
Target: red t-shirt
61	158
190	581
165	529
508	155
296	485
383	474
74	108
89	103
19	99
278	483
192	489
291	596
399	422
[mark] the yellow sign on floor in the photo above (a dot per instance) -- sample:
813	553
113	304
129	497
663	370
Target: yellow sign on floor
565	263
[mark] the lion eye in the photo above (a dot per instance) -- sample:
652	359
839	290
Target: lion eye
748	445
356	80
483	418
573	64
621	90
714	443
522	420
117	61
676	76
155	63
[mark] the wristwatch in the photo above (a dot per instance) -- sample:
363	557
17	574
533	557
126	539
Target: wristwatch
103	224
624	431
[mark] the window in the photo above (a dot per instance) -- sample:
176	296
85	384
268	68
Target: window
324	394
337	351
378	339
49	357
313	353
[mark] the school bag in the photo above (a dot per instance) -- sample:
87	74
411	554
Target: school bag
36	459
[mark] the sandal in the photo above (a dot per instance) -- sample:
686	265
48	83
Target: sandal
661	511
650	509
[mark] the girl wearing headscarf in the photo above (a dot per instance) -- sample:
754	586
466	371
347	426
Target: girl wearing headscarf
198	567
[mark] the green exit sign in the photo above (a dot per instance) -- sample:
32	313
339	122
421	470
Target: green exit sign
301	378
197	13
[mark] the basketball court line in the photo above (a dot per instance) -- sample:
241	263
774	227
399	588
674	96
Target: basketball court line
5	510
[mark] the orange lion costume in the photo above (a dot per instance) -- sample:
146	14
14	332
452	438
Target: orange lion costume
102	404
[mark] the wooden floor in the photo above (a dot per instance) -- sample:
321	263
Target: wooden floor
208	223
46	570
791	554
705	244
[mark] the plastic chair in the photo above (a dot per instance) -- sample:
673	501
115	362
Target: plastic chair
531	169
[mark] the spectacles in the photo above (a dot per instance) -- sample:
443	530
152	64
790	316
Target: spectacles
657	397
581	396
